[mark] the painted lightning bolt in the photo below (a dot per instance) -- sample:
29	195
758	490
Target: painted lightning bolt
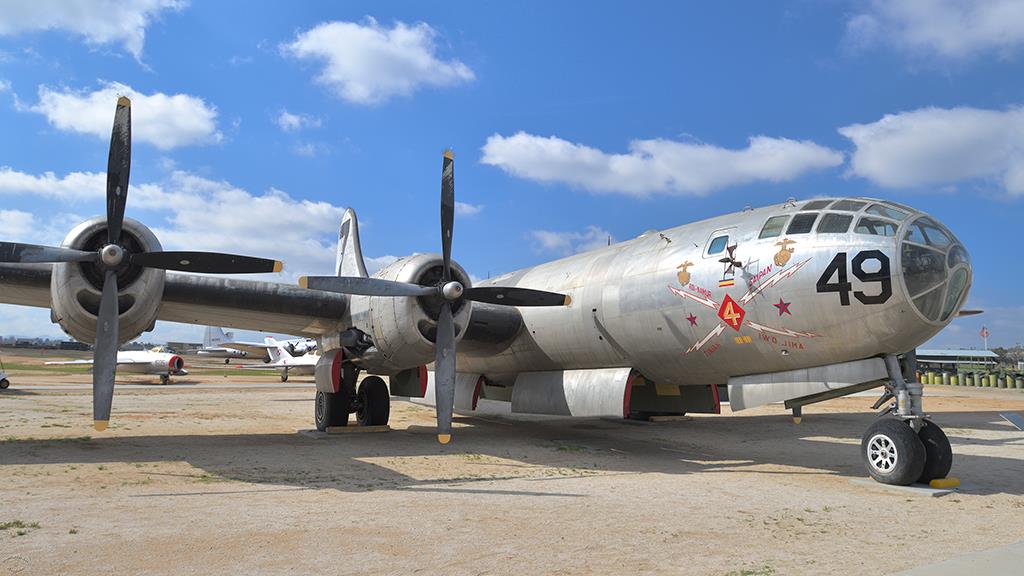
781	331
698	299
772	281
717	331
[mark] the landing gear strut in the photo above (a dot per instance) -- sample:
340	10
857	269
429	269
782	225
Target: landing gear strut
903	446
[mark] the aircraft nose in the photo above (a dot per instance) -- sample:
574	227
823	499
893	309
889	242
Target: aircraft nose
936	269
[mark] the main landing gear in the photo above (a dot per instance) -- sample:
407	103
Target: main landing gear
371	403
903	446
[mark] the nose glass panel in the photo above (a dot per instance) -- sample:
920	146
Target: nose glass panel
936	269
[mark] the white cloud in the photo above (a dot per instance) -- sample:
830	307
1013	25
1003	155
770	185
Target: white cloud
565	243
98	21
369	64
464	209
16	224
75	186
289	122
5	85
656	166
949	29
936	146
163	120
374	265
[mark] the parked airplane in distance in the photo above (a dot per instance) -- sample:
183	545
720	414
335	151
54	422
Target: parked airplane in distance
796	302
154	362
220	344
282	360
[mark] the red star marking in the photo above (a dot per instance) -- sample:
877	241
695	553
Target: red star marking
692	319
731	313
783	307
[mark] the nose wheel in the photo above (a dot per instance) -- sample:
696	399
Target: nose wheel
905	447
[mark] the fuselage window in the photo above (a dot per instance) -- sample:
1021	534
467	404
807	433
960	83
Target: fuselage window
875	227
802	223
816	204
848	205
880	210
834	223
773	227
718	244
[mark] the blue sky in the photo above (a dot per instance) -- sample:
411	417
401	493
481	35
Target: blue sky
570	122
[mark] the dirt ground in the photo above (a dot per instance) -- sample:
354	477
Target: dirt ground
209	476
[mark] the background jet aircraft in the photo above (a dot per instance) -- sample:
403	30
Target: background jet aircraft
153	362
282	359
795	302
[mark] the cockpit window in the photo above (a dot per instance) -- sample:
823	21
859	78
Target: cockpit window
718	244
875	227
925	231
816	204
888	212
834	223
802	223
849	205
773	227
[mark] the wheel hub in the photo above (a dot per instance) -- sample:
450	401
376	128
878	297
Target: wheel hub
882	453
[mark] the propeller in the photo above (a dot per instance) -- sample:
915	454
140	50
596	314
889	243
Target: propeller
449	291
731	259
113	257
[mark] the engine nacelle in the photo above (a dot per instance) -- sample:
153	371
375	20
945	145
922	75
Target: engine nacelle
403	329
75	288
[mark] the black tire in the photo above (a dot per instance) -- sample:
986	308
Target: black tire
164	380
939	454
284	377
892	452
227	360
330	409
374	402
5	384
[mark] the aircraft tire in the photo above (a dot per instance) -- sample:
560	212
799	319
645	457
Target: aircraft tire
939	453
892	452
5	384
331	409
164	380
374	402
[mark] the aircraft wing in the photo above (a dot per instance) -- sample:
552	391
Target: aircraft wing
254	348
89	362
205	300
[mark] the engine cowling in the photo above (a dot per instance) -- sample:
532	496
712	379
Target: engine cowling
404	329
75	288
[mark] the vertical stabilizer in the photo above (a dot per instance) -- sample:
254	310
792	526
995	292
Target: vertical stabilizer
213	337
275	350
350	255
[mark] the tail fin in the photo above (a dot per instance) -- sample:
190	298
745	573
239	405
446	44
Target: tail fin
214	337
349	260
275	350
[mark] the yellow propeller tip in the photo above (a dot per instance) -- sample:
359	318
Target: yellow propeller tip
444	438
568	300
124	101
449	154
100	425
278	266
796	419
303	282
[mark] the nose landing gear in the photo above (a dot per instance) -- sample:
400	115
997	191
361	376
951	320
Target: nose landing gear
904	447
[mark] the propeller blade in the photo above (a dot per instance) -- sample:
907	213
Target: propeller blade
447	211
444	373
509	296
118	166
364	286
17	253
963	313
206	262
104	359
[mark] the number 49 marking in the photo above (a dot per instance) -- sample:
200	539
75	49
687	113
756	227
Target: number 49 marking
842	285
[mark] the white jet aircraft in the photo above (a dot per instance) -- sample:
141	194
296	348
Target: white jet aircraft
794	303
154	362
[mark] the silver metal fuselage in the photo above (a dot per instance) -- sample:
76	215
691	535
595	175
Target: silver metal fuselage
639	304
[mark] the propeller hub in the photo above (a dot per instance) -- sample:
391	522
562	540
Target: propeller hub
452	290
112	255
